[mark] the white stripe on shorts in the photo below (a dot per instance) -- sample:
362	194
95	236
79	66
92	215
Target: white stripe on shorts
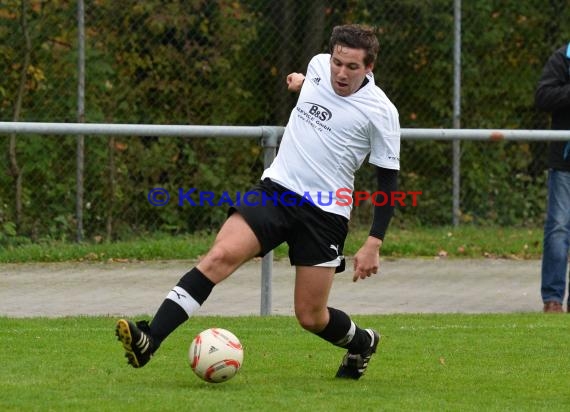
332	263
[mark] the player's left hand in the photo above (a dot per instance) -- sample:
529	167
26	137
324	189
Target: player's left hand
367	259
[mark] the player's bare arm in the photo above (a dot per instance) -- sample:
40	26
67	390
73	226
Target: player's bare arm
295	81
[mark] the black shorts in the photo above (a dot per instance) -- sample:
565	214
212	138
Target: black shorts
277	215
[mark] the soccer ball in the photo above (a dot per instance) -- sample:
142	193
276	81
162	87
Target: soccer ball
215	355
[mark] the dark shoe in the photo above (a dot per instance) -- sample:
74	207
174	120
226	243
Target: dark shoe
553	307
353	365
136	341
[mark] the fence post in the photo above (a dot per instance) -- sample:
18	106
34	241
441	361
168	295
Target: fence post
269	142
80	154
456	145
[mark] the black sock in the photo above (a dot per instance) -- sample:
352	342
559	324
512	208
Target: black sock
186	297
360	342
342	331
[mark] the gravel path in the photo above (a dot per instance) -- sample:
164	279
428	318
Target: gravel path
403	286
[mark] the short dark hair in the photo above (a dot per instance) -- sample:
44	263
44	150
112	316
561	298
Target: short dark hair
356	36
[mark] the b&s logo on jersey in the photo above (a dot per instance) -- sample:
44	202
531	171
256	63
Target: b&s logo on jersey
315	115
320	112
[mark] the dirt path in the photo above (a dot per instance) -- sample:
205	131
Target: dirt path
404	286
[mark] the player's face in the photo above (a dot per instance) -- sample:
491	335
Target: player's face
348	70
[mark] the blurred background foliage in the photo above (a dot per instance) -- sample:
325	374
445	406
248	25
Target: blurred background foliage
224	62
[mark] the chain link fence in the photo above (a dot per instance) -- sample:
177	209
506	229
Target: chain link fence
223	62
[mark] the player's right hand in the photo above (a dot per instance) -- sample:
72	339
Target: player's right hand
295	81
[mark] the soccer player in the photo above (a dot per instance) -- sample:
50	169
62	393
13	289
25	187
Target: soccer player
341	116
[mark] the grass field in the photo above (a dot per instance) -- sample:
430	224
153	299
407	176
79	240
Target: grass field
461	242
451	362
507	362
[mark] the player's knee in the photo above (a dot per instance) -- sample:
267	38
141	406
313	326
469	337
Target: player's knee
217	258
309	320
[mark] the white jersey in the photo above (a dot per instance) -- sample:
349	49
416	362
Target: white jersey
328	137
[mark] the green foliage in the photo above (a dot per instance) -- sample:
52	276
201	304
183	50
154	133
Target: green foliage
514	196
504	46
173	63
223	63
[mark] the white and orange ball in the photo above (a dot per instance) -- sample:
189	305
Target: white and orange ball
215	355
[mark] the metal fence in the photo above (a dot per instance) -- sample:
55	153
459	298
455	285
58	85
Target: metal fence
268	138
445	64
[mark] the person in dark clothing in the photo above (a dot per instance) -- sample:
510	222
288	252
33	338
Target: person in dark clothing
553	95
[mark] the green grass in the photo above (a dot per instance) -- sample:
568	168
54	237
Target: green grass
452	362
463	242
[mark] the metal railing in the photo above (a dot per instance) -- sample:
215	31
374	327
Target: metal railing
269	137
